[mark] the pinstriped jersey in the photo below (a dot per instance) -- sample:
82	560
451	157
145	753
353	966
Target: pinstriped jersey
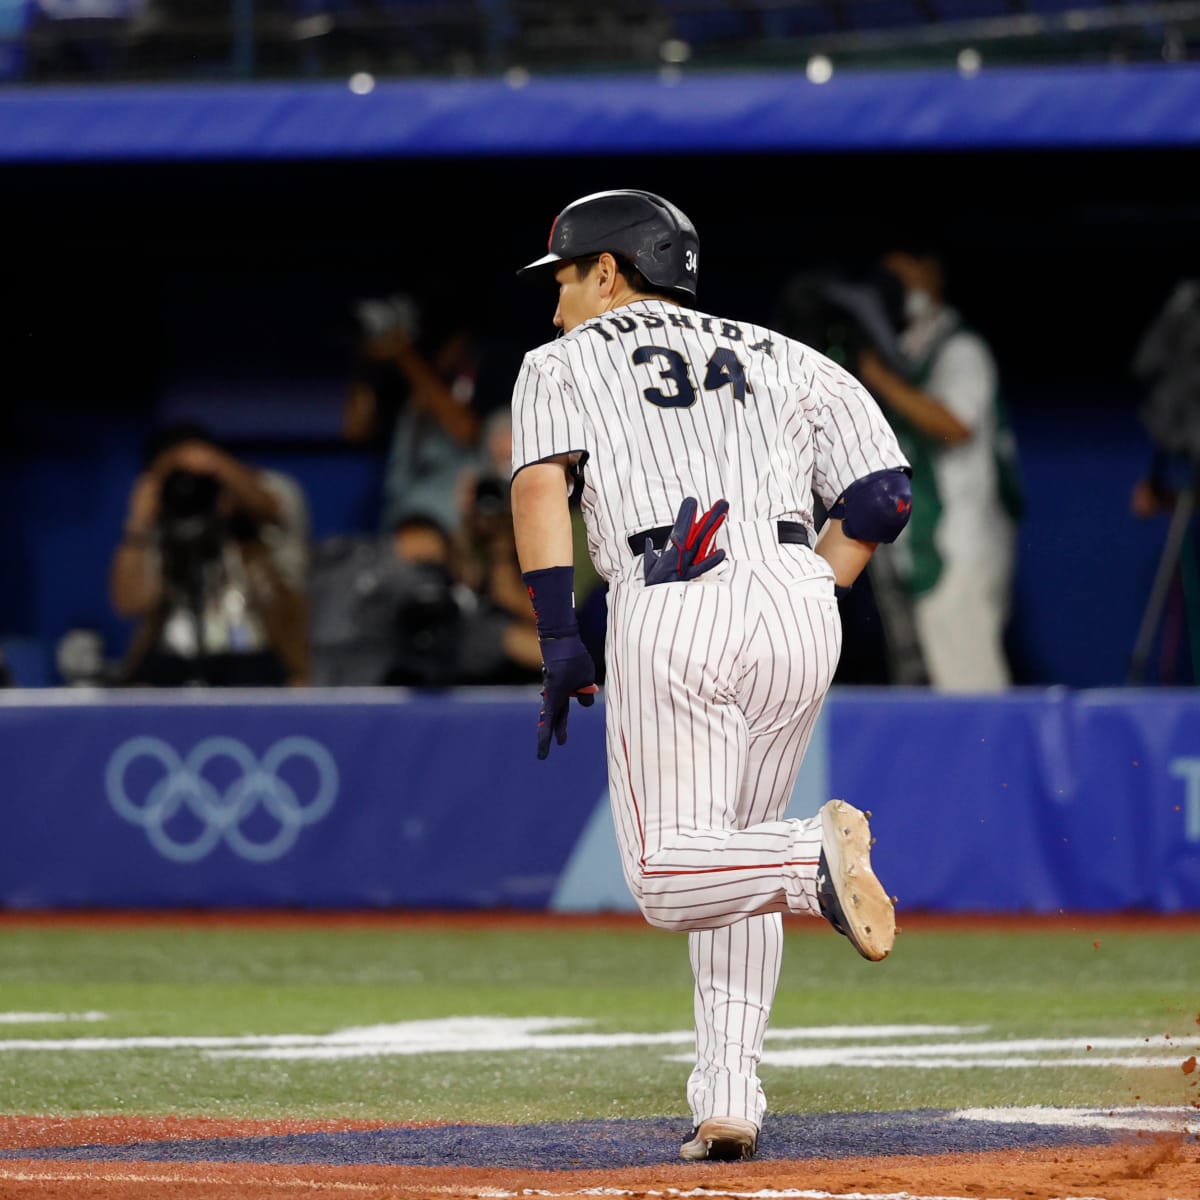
661	402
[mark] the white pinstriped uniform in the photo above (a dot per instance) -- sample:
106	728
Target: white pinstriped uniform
712	687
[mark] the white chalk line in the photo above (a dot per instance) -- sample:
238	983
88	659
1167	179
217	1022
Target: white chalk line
455	1035
1144	1119
879	1047
490	1193
48	1018
487	1193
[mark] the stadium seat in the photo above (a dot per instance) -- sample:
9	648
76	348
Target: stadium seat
707	25
800	20
388	35
973	10
90	10
15	18
886	14
81	38
1049	7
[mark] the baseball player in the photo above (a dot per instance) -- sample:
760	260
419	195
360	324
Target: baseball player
723	630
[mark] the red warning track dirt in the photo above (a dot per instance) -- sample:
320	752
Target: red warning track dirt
1148	1169
1090	923
30	1133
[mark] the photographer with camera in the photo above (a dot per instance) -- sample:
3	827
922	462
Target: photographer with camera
957	556
212	561
503	645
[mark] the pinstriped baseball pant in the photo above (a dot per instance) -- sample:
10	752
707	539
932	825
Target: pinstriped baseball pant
711	693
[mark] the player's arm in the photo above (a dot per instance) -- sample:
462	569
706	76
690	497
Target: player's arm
846	555
546	551
861	473
541	516
871	510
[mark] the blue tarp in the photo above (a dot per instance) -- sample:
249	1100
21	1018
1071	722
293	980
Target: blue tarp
1008	108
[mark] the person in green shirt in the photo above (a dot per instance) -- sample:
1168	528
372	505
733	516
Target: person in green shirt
956	558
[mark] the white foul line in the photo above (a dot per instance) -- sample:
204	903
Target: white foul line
489	1192
36	1018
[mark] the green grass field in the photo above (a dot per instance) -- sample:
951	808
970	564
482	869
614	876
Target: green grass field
1048	994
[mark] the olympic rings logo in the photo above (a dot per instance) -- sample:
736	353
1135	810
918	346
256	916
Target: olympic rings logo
181	789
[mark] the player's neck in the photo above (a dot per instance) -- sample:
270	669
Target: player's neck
630	296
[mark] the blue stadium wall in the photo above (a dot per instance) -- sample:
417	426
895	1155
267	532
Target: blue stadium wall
193	248
1037	802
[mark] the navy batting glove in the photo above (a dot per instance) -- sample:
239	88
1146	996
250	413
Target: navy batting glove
567	670
686	554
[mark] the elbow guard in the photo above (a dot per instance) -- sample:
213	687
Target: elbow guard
876	507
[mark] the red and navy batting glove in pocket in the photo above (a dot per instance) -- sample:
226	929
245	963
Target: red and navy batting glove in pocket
688	552
567	670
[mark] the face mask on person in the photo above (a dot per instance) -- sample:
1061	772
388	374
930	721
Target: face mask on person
918	304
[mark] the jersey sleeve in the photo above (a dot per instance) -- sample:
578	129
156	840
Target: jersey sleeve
546	418
851	435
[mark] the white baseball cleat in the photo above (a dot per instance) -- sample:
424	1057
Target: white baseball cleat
721	1139
852	899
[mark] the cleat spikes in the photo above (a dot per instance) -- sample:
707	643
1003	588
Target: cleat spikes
849	895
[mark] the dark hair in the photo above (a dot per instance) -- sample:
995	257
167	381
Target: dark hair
176	434
627	271
422	520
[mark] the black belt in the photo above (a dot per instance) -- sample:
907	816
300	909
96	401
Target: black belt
791	532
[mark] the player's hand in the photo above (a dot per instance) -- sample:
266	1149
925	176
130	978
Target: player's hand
686	554
567	670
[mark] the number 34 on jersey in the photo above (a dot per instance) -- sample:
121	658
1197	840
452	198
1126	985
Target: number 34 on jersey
674	386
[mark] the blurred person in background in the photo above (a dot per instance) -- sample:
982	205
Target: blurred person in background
1166	363
469	629
212	562
956	558
412	392
487	555
396	609
1166	366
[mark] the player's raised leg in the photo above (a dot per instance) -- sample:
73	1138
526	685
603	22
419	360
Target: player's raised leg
677	753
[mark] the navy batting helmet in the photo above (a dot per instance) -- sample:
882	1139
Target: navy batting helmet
640	227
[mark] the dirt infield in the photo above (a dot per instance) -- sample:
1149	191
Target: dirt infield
99	1158
1144	1168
